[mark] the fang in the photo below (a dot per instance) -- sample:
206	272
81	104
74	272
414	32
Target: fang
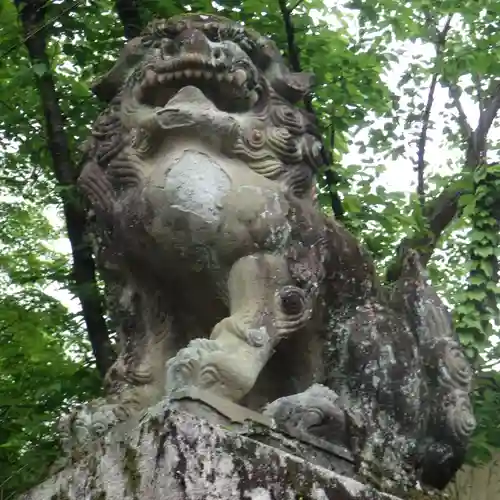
240	76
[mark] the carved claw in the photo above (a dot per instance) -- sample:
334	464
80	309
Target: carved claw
184	368
84	425
226	370
317	411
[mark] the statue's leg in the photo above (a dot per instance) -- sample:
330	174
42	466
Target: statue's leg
136	379
318	411
265	306
131	388
133	383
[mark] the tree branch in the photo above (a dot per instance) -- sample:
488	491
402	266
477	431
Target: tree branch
294	61
297	4
31	15
422	141
293	50
490	109
440	212
480	98
463	123
130	16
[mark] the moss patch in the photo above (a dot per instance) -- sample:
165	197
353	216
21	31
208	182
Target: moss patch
131	470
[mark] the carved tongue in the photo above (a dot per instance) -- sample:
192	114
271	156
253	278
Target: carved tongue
189	95
185	109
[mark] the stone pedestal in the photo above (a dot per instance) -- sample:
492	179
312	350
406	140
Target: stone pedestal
173	455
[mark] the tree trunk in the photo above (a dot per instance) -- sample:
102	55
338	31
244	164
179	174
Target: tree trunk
130	16
31	15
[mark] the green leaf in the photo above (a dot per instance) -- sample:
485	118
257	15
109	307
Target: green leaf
487	267
39	69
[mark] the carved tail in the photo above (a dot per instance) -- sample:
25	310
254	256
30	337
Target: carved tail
450	420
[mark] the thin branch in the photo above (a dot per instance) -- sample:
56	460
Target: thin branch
480	97
422	141
293	50
465	128
297	4
491	108
429	19
40	28
13	474
8	106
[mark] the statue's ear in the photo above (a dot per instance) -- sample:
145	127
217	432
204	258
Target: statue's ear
106	87
293	86
296	85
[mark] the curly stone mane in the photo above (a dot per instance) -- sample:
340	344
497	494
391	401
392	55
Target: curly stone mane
283	145
222	274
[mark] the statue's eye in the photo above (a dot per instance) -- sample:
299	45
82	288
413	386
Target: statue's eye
167	47
218	53
211	32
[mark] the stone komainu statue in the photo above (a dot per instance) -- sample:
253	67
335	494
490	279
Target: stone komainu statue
223	274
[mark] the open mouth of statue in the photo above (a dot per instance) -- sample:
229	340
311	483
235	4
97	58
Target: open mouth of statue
230	89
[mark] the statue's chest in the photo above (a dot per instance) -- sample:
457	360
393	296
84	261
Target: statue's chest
193	185
196	198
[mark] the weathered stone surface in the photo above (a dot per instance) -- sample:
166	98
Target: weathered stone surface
223	274
172	455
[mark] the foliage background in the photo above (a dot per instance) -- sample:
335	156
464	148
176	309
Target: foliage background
407	95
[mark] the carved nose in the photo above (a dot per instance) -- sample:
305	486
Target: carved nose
193	40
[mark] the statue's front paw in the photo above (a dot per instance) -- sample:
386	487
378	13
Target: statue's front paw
208	365
316	411
84	425
75	428
184	368
103	418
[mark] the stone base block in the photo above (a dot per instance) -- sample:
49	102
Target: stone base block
172	455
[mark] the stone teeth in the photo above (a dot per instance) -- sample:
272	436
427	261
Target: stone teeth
165	77
178	74
207	75
240	76
228	78
253	97
150	77
220	77
166	65
138	93
188	73
198	73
